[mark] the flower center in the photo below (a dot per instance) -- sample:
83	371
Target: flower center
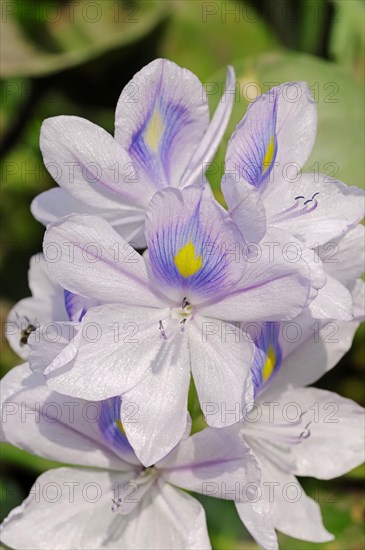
130	494
183	313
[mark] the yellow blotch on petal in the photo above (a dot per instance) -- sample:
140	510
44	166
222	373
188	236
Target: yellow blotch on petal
154	131
269	155
120	426
187	262
269	364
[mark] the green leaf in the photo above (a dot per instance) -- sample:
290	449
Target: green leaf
76	32
339	147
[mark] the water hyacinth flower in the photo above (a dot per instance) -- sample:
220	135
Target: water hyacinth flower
106	498
163	137
168	315
266	154
297	431
264	186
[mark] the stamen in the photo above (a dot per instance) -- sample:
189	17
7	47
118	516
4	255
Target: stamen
310	200
288	213
287	434
306	432
162	330
127	501
116	504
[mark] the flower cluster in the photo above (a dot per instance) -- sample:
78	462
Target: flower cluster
149	291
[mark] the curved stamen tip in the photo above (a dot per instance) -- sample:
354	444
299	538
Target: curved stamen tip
310	200
305	434
293	212
116	504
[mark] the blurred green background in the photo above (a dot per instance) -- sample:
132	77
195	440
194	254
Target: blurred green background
74	57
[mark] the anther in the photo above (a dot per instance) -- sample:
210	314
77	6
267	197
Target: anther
162	330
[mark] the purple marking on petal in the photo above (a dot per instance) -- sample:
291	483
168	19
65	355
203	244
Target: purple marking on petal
76	306
158	164
109	416
167	242
206	464
250	142
268	337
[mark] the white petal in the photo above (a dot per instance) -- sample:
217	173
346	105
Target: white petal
191	525
213	463
54	204
245	207
116	348
46	304
296	124
166	518
40	283
336	442
272	287
53	426
154	410
88	163
339	207
333	301
26	316
310	349
98	177
86	256
358	296
256	517
51	341
220	363
293	512
208	146
344	258
66	509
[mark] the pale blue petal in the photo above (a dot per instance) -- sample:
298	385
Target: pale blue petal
212	138
275	137
161	117
177	220
252	150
